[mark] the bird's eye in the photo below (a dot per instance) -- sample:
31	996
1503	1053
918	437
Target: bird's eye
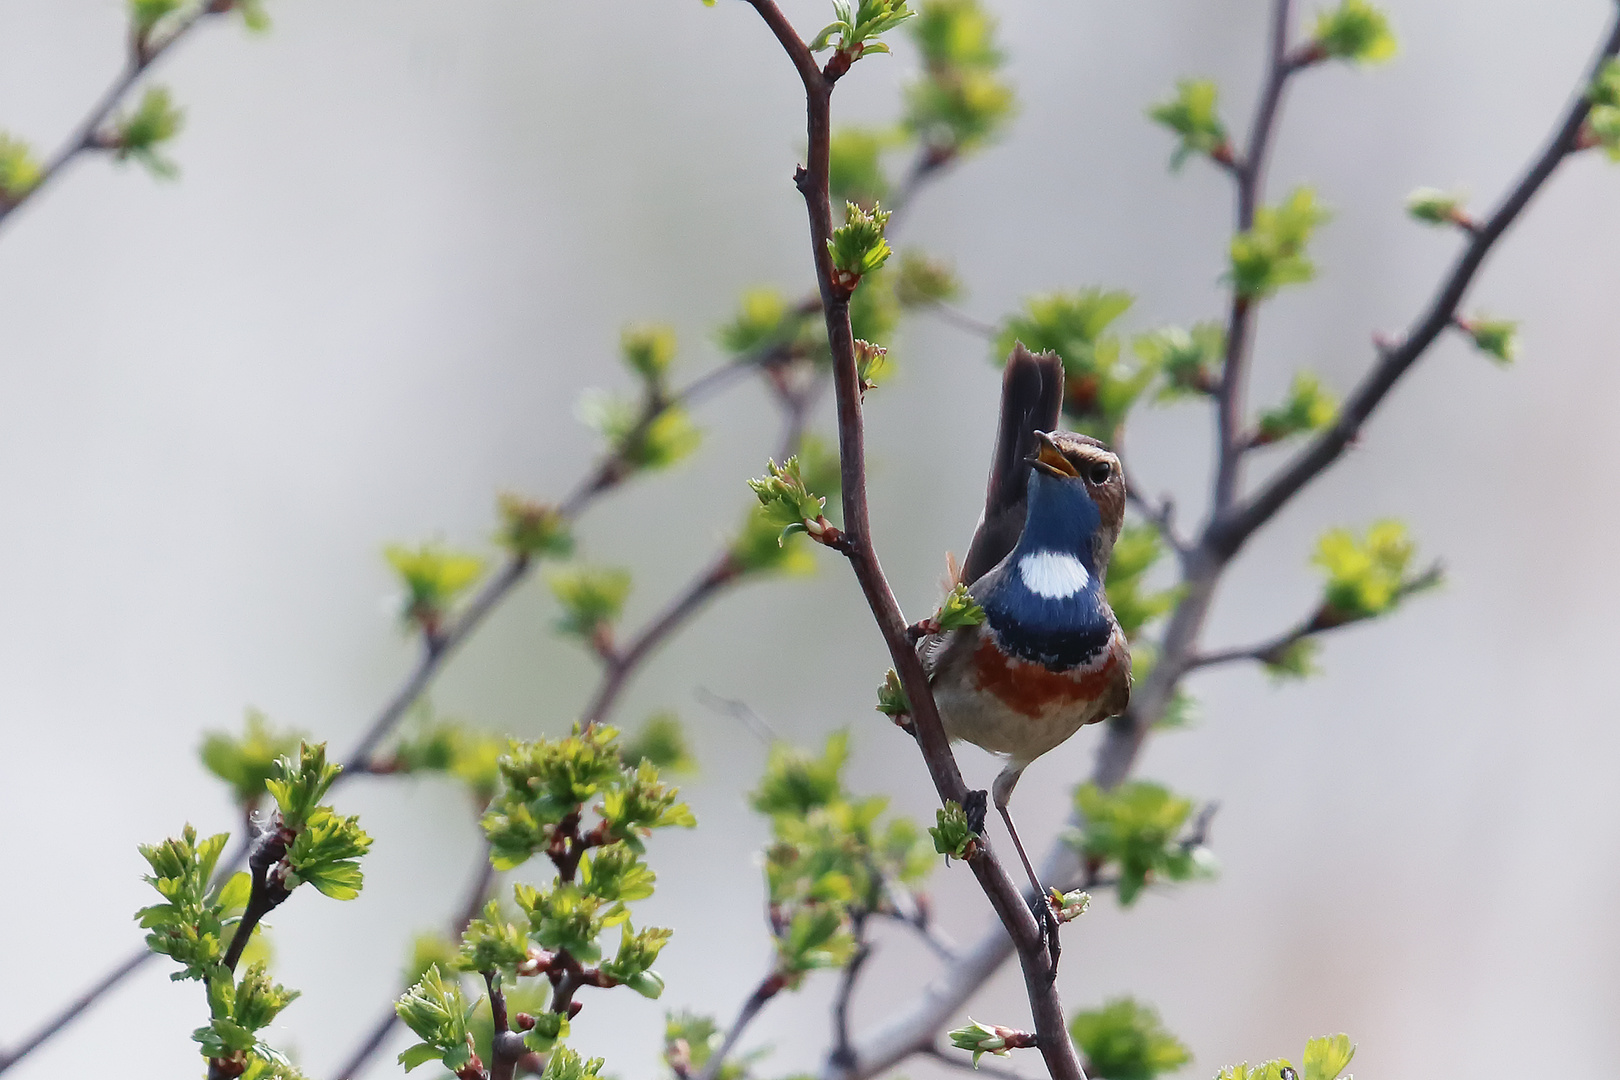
1100	472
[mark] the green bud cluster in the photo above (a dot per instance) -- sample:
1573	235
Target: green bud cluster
1366	575
1126	1040
958	610
1435	207
829	856
1603	122
952	835
1496	338
1355	31
649	437
1100	383
591	597
855	165
1193	117
20	170
1272	253
984	1039
434	577
326	847
246	761
857	26
961	102
531	529
1136	831
1326	1057
892	700
924	281
547	786
858	246
787	501
140	135
1188	360
1308	407
198	919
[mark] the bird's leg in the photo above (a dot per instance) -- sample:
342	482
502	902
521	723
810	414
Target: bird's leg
1001	791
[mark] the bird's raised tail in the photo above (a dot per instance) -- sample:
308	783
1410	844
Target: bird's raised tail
1031	401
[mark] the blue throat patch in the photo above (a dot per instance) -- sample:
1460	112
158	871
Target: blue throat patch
1062	621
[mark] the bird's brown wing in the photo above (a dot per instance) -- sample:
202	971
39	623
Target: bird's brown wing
1031	401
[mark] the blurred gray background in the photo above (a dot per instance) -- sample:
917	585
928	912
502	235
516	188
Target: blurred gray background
404	241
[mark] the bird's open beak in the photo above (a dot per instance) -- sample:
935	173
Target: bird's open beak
1049	459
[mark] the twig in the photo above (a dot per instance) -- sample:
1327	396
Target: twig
962	320
768	988
1250	175
1039	973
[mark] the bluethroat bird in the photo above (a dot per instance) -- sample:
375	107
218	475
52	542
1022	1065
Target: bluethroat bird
1049	657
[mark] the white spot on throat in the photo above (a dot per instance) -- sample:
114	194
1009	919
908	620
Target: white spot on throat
1055	575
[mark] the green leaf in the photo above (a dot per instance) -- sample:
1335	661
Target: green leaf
1308	407
1135	829
1100	384
648	350
952	835
436	1010
1355	31
787	502
892	700
532	529
857	28
1326	1056
140	134
1603	122
1189	361
1367	575
959	103
1136	605
566	1064
246	761
762	546
590	596
144	15
796	783
420	1054
491	944
1272	253
858	246
642	438
1296	660
661	741
1125	1040
298	784
1193	117
325	853
20	170
959	610
855	171
190	925
433	578
1496	338
763	319
1435	207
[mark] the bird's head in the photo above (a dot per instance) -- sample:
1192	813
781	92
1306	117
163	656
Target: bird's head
1076	497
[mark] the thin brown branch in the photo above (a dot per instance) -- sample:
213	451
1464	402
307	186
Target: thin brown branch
768	988
1320	621
1004	896
1250	174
